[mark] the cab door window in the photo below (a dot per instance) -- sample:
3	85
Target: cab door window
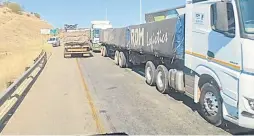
230	19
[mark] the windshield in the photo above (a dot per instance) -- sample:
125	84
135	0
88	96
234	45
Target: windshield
52	39
247	10
96	33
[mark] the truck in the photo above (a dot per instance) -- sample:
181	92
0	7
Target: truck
96	27
76	42
205	53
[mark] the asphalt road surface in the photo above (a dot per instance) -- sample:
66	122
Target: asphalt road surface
92	95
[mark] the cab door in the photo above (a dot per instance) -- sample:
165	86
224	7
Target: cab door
224	54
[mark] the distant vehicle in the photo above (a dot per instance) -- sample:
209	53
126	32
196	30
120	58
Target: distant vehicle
96	27
54	41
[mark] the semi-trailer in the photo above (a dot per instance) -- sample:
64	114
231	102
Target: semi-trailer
206	53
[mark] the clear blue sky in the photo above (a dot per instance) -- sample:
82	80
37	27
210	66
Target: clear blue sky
82	12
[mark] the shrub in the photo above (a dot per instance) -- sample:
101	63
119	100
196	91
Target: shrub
37	15
6	3
16	8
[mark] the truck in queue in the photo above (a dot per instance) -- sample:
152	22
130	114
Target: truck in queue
76	42
96	27
206	53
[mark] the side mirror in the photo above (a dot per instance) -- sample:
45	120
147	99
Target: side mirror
220	9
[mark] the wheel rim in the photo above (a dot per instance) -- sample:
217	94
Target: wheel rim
148	73
120	60
102	51
211	104
116	59
159	79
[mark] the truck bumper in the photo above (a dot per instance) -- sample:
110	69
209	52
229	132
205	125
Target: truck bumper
84	51
246	101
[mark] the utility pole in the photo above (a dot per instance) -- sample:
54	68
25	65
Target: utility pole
106	14
140	11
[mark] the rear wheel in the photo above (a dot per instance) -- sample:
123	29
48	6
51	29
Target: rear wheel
122	60
65	56
162	79
211	104
104	51
150	73
116	59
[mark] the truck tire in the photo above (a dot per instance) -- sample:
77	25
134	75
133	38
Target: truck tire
116	59
65	55
102	51
122	60
211	104
162	79
105	51
150	73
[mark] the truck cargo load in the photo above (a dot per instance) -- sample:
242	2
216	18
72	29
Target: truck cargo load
163	38
76	42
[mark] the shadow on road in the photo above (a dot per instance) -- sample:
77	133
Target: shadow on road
97	51
79	56
139	69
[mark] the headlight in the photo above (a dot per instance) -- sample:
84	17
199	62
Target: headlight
251	103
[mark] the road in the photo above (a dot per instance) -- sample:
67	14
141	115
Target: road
92	95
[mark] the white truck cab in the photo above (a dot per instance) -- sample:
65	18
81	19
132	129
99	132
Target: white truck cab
95	29
219	45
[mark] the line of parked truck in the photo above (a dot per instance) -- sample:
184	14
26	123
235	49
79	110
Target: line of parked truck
205	52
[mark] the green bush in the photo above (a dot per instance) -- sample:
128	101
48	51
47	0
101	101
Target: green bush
37	15
15	7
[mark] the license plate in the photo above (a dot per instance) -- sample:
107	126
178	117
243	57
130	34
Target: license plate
77	49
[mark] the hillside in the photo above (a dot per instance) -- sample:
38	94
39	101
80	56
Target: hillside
20	43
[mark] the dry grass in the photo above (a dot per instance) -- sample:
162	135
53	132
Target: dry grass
20	43
15	7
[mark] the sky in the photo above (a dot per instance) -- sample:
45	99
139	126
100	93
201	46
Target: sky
82	12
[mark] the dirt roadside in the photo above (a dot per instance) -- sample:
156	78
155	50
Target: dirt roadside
20	43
